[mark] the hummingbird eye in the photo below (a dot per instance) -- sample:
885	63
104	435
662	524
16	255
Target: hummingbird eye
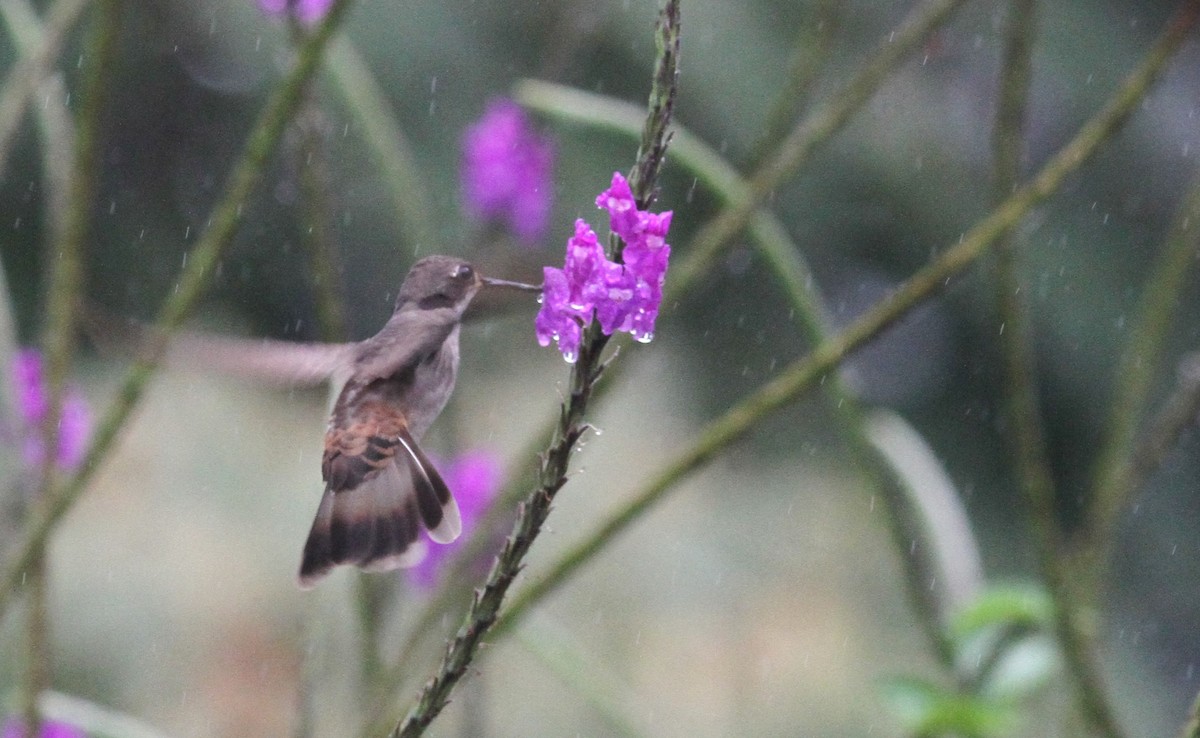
462	271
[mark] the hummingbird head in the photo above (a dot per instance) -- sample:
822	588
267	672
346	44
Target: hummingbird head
438	282
447	281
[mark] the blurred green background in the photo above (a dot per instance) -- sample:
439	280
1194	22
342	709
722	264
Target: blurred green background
764	597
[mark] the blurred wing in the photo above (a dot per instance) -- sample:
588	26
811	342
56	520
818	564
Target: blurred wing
381	490
407	339
278	362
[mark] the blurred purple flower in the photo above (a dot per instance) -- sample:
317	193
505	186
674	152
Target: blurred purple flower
474	478
32	404
306	11
14	728
507	171
624	296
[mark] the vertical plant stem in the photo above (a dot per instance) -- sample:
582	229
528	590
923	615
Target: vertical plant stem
66	235
532	513
37	646
1024	411
227	215
319	236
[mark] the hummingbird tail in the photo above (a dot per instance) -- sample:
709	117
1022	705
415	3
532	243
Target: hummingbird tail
376	525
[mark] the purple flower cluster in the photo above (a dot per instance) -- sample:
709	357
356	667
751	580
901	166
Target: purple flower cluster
306	11
507	171
623	296
32	404
474	477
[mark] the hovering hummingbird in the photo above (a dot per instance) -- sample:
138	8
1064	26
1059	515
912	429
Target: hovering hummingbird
380	487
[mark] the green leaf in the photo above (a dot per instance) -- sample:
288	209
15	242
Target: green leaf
1004	606
925	708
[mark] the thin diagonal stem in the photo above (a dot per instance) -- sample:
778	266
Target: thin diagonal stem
227	215
1178	413
532	513
1116	474
809	57
790	383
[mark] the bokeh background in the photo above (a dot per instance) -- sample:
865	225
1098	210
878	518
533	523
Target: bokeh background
764	597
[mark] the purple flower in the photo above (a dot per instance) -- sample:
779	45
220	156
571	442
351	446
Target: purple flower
507	171
306	11
623	296
32	404
474	478
14	728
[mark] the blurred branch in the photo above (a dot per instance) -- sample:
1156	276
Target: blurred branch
808	59
1021	388
804	138
367	101
532	513
69	209
942	522
802	374
319	236
8	351
31	68
1117	474
1176	416
227	215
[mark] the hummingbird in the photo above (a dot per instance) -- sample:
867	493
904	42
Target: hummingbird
381	489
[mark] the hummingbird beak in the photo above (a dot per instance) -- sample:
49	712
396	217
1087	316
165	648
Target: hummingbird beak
492	282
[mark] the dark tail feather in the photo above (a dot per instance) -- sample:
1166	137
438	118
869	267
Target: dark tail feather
438	509
375	526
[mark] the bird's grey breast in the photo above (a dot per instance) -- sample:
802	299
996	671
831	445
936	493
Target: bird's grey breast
433	381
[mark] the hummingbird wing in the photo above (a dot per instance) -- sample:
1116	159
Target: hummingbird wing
381	490
279	362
